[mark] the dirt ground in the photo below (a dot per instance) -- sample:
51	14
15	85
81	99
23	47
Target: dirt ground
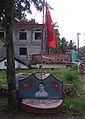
24	115
27	115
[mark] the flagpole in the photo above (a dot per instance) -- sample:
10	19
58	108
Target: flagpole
42	43
43	27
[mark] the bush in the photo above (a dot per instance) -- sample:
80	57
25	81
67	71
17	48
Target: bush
74	67
75	106
72	74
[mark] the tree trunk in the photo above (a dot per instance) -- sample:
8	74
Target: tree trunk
10	55
10	69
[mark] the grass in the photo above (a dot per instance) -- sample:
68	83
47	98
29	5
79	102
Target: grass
3	80
73	105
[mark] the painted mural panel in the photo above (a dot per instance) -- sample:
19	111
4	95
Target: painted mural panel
33	87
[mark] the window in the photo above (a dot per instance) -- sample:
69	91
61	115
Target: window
1	33
22	35
37	35
23	51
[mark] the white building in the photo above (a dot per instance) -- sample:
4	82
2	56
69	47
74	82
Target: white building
27	38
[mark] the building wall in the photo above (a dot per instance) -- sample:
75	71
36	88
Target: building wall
18	65
31	45
2	46
2	50
2	64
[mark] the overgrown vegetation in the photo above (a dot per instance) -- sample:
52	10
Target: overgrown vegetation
74	105
3	80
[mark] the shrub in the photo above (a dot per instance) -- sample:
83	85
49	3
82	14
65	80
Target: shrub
72	74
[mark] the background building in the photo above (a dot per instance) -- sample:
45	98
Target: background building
27	38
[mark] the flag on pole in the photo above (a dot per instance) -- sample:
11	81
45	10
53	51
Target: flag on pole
51	36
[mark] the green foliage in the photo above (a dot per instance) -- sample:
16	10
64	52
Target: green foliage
82	51
68	76
3	79
74	67
16	9
72	74
75	106
71	45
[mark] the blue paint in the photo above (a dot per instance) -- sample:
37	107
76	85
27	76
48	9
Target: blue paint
52	88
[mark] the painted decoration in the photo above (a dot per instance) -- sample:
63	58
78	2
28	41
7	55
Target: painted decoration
33	87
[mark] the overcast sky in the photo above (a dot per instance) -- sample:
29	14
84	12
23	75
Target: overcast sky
70	17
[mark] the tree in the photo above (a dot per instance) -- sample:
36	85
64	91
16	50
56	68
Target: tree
63	45
71	45
82	51
9	10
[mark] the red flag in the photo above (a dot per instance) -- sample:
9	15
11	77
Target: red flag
51	36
